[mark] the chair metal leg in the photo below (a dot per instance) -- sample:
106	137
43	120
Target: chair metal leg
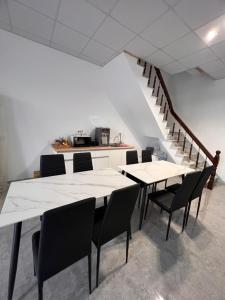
40	290
165	183
98	263
139	198
142	207
184	218
89	272
14	258
127	244
105	201
188	212
146	208
199	203
168	226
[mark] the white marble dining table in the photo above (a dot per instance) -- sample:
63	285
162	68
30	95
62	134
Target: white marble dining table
152	172
31	198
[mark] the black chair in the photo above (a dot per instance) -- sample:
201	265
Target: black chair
51	165
82	162
146	156
65	238
197	193
114	219
171	202
132	157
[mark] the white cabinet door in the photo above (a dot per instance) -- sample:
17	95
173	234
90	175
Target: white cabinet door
69	166
115	159
100	162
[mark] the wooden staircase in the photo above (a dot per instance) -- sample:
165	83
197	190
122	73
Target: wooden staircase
194	153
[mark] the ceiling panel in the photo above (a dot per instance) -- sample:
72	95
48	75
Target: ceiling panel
81	16
91	60
219	49
113	35
31	36
215	68
136	15
140	47
159	58
69	38
47	7
64	49
198	58
98	51
199	12
165	30
104	5
184	46
30	21
174	67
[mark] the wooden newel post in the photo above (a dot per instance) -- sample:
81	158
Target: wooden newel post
215	163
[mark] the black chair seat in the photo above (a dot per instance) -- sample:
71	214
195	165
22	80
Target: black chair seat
173	188
163	198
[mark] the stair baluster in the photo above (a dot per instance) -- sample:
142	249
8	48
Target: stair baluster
167	112
161	101
184	142
154	84
164	109
173	129
205	163
178	136
145	65
197	159
157	94
149	75
190	152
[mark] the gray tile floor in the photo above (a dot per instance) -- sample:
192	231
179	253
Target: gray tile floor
189	266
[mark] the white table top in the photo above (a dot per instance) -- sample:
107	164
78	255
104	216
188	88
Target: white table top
31	198
151	172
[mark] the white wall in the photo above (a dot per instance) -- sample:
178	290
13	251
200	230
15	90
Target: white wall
45	94
127	97
201	102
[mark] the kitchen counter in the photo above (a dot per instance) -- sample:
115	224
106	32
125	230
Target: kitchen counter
63	149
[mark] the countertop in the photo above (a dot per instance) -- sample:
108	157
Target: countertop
62	149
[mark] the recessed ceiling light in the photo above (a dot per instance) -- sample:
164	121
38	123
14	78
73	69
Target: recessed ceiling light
211	35
213	32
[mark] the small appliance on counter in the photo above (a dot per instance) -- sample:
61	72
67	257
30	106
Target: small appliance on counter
102	136
80	140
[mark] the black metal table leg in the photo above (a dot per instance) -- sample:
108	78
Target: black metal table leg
142	206
14	258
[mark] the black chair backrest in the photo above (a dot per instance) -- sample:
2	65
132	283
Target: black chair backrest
132	157
82	162
51	165
65	237
150	149
146	156
206	172
183	194
118	213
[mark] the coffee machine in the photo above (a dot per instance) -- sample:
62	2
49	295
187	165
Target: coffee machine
102	136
